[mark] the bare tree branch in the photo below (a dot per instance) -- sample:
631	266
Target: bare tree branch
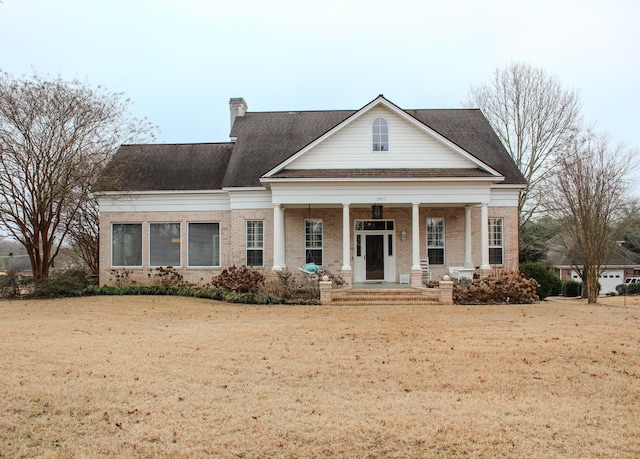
535	118
55	137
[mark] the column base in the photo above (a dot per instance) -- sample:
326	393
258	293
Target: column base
347	275
416	278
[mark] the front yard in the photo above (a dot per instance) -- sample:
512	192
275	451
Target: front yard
182	377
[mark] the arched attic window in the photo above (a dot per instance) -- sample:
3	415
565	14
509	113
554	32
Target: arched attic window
380	134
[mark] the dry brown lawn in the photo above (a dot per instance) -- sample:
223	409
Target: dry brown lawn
179	377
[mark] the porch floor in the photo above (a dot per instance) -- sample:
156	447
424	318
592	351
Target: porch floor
380	286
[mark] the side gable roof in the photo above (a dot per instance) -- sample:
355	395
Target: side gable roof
265	140
166	167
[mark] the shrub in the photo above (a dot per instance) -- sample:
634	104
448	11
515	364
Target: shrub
545	277
10	285
556	290
196	292
282	284
61	283
121	278
242	280
572	288
628	289
167	277
507	287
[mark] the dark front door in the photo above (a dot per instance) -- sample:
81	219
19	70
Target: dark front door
375	257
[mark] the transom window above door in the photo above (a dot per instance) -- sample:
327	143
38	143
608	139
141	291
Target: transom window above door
380	134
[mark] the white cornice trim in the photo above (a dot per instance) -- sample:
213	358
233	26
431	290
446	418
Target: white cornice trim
400	180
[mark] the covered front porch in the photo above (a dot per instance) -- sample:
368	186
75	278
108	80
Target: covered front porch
383	244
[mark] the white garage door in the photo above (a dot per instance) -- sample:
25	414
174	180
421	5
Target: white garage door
608	280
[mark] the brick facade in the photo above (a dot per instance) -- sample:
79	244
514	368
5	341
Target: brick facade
233	237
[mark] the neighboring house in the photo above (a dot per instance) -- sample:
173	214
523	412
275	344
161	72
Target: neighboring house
622	263
370	194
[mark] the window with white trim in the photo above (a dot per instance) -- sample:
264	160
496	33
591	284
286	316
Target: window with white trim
496	241
435	241
164	244
313	241
255	243
204	244
380	133
126	244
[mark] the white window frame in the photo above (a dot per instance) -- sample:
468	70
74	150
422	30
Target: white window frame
256	243
431	246
215	248
139	224
380	134
311	241
150	242
496	238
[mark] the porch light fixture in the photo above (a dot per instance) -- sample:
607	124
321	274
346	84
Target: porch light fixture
376	211
403	235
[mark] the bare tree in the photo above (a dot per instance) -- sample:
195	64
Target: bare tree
84	234
590	195
534	117
55	137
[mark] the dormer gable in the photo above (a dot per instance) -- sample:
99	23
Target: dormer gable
381	136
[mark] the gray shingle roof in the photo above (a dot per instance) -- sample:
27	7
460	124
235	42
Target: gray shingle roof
266	139
166	167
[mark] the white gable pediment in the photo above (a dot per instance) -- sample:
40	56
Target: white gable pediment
411	145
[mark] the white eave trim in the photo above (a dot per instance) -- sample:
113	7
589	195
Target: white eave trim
229	189
510	186
380	100
386	179
156	192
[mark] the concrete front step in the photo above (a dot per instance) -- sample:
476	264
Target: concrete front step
361	297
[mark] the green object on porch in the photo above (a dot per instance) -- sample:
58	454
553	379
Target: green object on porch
310	268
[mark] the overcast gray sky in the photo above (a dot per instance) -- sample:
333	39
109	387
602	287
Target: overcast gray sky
180	61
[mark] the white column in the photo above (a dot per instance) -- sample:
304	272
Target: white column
278	238
484	237
468	262
415	236
346	239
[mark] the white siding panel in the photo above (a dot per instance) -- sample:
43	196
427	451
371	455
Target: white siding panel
409	147
504	198
164	202
250	199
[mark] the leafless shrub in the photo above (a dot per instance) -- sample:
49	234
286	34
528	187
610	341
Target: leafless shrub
506	288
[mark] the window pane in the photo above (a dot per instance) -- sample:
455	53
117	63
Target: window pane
495	256
380	134
314	256
313	241
164	244
435	241
204	244
254	258
255	234
436	256
126	244
496	248
255	243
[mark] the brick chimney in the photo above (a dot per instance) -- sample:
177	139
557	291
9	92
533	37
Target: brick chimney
237	107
